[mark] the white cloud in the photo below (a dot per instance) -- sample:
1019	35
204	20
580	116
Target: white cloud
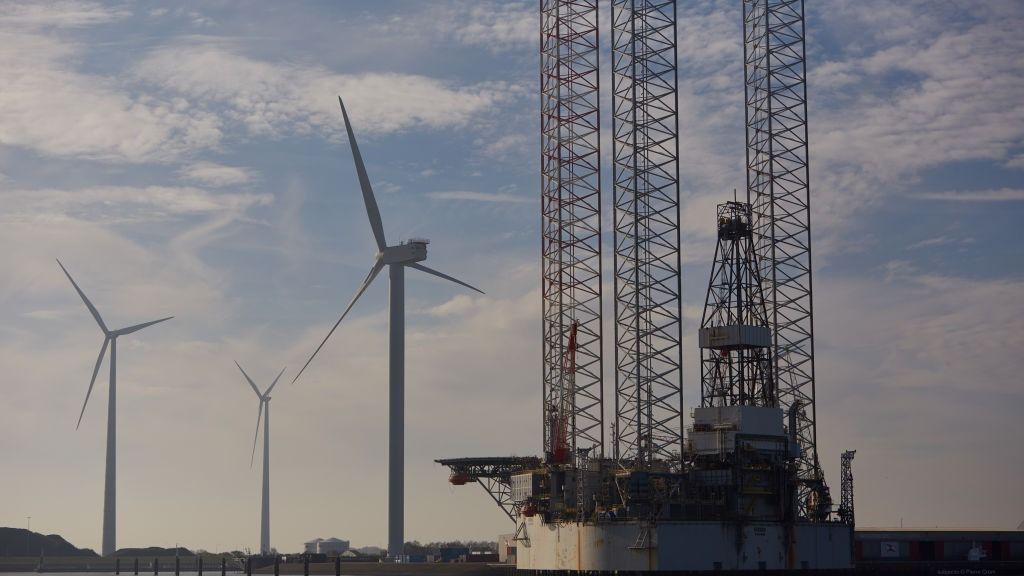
273	99
899	360
919	97
58	14
996	195
214	174
503	146
492	25
480	197
49	107
940	241
122	204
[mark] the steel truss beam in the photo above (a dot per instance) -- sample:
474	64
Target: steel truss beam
570	219
648	331
778	191
494	475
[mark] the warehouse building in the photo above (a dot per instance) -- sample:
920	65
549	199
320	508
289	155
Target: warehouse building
938	551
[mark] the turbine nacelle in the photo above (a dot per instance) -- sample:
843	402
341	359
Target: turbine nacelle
409	252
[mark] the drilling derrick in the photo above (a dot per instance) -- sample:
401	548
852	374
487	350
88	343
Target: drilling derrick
648	425
735	337
570	220
779	194
726	497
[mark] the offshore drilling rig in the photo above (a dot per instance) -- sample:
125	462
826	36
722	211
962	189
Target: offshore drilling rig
742	489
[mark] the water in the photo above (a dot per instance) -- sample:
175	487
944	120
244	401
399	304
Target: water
130	572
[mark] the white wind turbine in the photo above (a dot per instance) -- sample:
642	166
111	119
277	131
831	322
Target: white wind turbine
110	485
264	413
397	258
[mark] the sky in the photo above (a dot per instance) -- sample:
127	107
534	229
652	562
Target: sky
190	160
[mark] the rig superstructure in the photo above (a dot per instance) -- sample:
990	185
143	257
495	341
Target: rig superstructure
742	488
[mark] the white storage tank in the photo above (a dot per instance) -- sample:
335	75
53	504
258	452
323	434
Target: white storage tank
312	545
333	546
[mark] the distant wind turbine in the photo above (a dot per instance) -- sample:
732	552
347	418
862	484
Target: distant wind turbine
397	258
110	485
264	409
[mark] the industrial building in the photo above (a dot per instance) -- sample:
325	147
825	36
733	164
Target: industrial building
929	550
909	551
327	546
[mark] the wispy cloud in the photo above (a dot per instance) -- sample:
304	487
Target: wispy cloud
50	107
996	195
59	14
940	241
495	26
214	174
124	204
274	99
466	195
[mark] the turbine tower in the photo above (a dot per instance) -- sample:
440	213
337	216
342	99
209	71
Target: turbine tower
398	257
264	413
110	483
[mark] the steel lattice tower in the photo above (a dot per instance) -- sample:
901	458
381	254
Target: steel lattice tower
735	337
846	513
648	331
570	220
778	191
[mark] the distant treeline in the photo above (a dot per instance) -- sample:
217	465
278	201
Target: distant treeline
415	547
21	542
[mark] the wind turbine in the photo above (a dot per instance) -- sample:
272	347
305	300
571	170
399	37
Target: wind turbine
264	412
110	484
397	258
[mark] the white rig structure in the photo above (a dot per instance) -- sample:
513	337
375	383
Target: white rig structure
741	490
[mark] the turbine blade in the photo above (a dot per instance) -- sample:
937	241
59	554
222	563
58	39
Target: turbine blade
423	268
88	304
95	371
259	417
274	383
364	182
251	383
377	266
138	327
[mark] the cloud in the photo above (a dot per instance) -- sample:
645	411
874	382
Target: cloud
496	26
903	354
917	97
49	107
503	146
940	241
59	14
122	203
480	197
214	174
272	99
997	195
